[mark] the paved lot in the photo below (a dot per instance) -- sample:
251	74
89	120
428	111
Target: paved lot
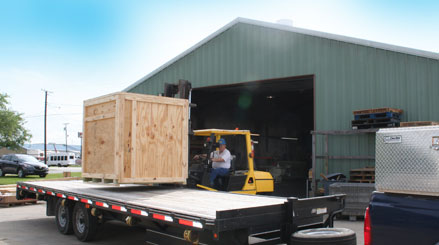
356	226
29	224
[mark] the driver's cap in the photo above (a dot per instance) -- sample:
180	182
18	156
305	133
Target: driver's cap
222	141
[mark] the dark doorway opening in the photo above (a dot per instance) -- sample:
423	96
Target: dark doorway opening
280	111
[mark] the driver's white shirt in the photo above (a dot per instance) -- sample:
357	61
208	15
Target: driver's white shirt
225	155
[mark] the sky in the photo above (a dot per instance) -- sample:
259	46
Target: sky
78	49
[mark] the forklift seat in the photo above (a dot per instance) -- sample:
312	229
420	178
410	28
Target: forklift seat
234	181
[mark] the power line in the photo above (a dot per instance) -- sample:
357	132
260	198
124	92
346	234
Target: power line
65	114
63	104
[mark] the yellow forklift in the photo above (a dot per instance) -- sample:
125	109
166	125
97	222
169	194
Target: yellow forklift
242	177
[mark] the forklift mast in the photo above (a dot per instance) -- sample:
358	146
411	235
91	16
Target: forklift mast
183	89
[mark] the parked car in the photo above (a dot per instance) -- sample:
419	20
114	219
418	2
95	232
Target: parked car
22	165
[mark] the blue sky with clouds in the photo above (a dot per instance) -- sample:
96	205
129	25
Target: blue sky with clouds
81	49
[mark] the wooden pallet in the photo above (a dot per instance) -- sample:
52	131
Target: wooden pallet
382	115
102	181
362	181
9	201
362	175
377	110
418	123
376	125
374	121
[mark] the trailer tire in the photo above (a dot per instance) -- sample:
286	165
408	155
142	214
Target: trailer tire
85	225
2	173
324	236
63	217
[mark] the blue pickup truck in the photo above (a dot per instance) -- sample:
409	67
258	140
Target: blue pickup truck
405	207
401	219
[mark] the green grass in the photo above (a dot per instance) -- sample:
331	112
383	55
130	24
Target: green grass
12	179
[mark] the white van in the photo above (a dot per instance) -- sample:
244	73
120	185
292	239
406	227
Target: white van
62	159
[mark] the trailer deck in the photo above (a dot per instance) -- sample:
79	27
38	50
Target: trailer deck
210	213
192	202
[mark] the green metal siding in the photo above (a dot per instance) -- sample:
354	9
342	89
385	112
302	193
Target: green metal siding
347	77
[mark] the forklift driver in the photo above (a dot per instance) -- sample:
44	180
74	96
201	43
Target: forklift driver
220	161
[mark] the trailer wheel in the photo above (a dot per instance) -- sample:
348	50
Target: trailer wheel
63	217
324	236
84	224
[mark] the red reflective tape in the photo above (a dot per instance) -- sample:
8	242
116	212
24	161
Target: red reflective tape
50	193
25	187
185	222
59	195
71	198
116	207
99	204
85	201
33	189
135	211
158	216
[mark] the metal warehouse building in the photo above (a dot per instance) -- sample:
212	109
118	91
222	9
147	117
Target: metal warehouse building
283	82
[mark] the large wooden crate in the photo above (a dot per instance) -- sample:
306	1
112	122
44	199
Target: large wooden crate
135	138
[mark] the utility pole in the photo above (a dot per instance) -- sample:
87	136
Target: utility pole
45	126
65	129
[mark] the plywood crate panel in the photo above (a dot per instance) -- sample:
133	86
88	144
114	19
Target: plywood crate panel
135	138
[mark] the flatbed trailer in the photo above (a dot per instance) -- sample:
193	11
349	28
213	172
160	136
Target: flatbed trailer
179	215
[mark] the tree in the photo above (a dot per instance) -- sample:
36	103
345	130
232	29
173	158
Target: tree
12	132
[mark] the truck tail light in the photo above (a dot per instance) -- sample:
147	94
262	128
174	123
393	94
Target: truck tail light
367	228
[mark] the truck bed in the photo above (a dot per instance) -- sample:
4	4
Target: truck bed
191	202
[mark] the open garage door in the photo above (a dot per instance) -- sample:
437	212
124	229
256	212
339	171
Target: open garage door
280	111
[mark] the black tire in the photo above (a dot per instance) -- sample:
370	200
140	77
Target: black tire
59	165
63	217
43	175
2	173
324	236
21	173
84	224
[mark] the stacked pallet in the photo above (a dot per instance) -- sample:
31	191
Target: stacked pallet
8	199
376	118
362	175
418	124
